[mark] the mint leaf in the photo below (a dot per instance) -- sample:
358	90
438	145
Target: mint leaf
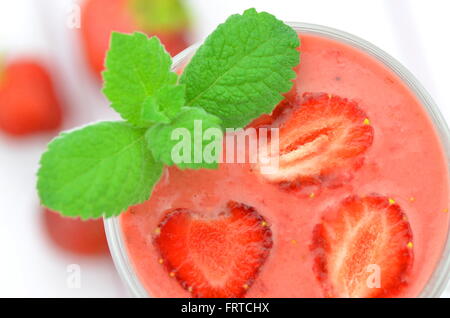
188	140
151	112
98	170
242	68
171	98
164	105
136	68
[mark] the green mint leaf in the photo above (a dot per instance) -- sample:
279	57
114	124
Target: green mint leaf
192	140
164	105
98	170
171	98
151	112
242	68
136	68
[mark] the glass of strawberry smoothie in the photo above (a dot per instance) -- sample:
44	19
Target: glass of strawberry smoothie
365	193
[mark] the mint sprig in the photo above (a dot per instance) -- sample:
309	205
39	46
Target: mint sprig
240	72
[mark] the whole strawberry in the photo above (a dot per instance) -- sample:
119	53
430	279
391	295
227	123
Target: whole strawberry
166	19
28	103
75	235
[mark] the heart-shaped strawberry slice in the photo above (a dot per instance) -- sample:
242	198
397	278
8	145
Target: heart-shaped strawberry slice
214	257
363	248
323	138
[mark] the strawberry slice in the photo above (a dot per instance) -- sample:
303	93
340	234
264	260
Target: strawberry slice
214	257
363	248
325	136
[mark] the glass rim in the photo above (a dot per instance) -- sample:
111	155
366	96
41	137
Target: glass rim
438	280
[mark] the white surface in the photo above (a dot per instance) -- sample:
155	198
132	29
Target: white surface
409	30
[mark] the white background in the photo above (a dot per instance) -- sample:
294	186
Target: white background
413	31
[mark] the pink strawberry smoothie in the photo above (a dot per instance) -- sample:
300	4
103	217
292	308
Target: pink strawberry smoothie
406	162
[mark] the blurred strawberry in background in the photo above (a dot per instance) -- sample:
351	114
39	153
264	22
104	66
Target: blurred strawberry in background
28	102
31	104
74	235
167	19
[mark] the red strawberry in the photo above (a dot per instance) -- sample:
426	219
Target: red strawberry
214	257
74	235
166	19
357	238
28	103
324	136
